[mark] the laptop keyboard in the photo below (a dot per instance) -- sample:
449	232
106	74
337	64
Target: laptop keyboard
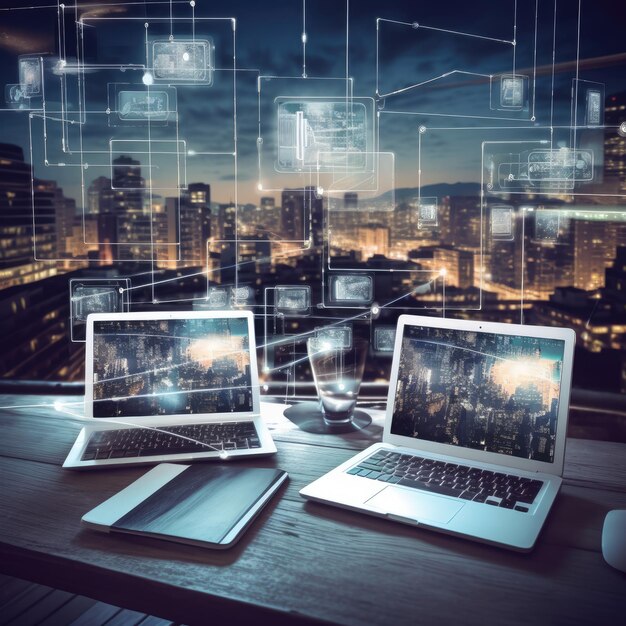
459	481
136	442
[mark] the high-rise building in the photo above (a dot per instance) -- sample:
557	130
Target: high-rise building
342	222
254	258
189	226
506	265
616	275
594	247
134	233
268	217
465	221
50	204
44	221
85	229
18	264
295	213
226	246
615	140
227	222
293	226
199	204
100	197
34	323
548	265
459	265
168	227
314	213
373	239
101	204
404	225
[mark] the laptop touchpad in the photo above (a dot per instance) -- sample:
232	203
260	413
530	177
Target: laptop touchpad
415	505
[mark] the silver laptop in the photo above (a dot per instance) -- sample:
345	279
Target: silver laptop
170	387
474	435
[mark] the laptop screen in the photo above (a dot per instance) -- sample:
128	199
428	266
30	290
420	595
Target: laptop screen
171	367
491	392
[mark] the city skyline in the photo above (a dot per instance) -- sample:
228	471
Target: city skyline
171	367
479	390
369	170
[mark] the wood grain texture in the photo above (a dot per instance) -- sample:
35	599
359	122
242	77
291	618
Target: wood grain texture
302	560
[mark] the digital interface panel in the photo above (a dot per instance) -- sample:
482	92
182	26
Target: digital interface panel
351	288
594	107
427	213
512	91
327	135
547	225
217	298
502	223
91	295
293	300
88	300
30	75
384	338
335	336
180	61
561	166
143	105
171	367
480	390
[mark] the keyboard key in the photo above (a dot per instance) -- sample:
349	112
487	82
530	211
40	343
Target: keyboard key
432	487
523	509
379	456
369	466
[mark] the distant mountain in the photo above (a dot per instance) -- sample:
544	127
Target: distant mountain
405	194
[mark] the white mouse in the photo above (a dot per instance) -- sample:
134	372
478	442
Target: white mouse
614	539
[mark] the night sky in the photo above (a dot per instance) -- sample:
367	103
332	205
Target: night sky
269	41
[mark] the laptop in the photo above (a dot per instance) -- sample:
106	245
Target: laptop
474	435
170	386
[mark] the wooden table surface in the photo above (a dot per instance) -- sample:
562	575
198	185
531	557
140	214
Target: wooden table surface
302	561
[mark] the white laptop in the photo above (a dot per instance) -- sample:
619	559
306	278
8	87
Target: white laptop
170	386
474	435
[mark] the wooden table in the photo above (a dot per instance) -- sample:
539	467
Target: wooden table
302	561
